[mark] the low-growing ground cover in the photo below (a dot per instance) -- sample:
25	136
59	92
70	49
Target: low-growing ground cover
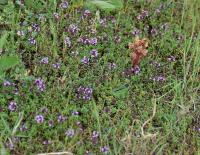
74	89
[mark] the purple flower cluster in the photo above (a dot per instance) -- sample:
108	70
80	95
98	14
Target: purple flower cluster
12	106
117	39
131	71
75	113
44	60
23	128
7	83
51	123
171	58
56	15
103	22
56	65
84	93
46	142
143	15
95	136
35	27
154	32
73	29
70	133
155	64
159	78
88	41
39	119
42	18
104	149
20	33
64	5
67	41
61	118
111	65
87	13
32	41
40	84
94	53
85	60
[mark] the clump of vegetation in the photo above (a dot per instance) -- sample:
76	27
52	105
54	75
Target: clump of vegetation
68	83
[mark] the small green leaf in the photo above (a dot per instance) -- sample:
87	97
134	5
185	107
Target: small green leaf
122	93
108	5
7	62
3	40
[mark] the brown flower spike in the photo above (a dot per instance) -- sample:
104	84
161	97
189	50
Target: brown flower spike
139	50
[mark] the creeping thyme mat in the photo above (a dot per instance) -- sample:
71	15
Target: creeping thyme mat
78	77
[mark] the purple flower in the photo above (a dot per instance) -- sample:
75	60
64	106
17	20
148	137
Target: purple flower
39	118
44	60
40	84
104	149
32	41
155	63
181	38
64	5
16	91
35	27
84	93
136	70
117	39
70	133
56	15
95	136
103	22
42	18
23	128
73	29
61	118
171	58
67	41
143	15
56	65
75	113
10	146
20	33
93	41
154	32
136	32
44	110
12	106
112	66
51	123
94	53
164	27
159	78
113	20
7	83
87	13
157	11
85	60
46	142
131	71
74	53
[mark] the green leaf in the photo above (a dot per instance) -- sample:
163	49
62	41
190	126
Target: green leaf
3	40
7	62
108	5
122	93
